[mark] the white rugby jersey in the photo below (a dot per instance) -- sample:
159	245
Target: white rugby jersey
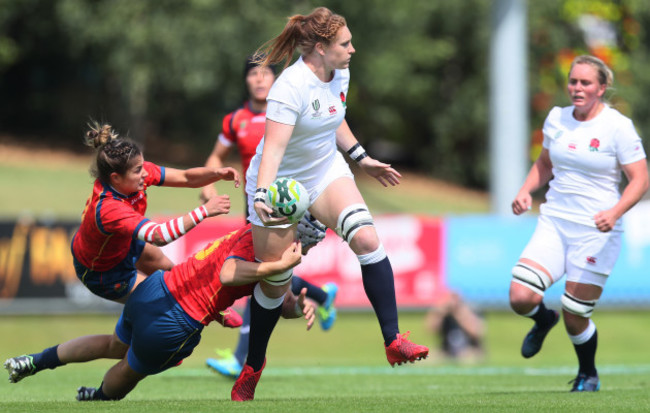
316	109
587	158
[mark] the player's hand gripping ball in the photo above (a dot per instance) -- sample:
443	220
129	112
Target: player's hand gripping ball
288	198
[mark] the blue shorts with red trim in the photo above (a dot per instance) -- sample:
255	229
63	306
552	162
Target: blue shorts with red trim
159	331
116	282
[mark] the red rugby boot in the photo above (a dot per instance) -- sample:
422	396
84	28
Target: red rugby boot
244	388
402	350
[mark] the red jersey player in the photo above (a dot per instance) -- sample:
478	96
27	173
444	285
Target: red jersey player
163	318
116	246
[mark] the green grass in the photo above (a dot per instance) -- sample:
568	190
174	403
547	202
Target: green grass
344	370
51	188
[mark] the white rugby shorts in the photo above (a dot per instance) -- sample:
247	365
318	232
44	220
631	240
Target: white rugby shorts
338	169
585	254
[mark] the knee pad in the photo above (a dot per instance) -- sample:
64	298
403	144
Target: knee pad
281	278
573	305
531	277
352	219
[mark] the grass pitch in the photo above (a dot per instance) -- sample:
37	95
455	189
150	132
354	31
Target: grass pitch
345	370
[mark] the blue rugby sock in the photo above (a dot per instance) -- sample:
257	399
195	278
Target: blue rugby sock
586	353
314	292
46	359
263	322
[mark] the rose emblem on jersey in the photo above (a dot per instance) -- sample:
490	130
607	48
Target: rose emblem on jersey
343	99
593	145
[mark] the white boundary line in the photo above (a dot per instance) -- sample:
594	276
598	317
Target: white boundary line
425	371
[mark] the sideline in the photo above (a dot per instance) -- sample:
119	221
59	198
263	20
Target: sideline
613	369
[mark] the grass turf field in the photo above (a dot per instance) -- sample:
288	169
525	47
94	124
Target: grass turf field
345	370
32	175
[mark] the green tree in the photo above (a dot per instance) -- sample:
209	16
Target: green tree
168	70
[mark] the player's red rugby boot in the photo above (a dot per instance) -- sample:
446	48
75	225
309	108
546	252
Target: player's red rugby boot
244	388
402	350
229	318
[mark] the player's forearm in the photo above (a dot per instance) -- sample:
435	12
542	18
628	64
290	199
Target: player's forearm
239	272
201	176
163	234
213	161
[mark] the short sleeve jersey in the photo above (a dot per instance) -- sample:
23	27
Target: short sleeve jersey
587	158
195	283
111	220
316	109
243	128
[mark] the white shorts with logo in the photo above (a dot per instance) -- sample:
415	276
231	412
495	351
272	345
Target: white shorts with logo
338	169
585	254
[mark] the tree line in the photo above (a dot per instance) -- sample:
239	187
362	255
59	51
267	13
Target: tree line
167	71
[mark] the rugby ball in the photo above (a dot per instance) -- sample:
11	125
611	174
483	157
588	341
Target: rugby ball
288	198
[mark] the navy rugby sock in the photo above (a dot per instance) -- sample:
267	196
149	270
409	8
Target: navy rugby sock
263	322
587	355
379	285
314	292
543	316
46	359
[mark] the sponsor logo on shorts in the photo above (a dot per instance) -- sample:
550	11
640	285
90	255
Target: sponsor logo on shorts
591	260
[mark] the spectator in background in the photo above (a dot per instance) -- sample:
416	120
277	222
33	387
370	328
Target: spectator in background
586	147
244	129
458	327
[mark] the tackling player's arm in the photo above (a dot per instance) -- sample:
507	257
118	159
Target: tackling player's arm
166	232
236	271
215	160
297	306
199	177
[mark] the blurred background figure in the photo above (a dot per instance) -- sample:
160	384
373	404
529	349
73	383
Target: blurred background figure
457	328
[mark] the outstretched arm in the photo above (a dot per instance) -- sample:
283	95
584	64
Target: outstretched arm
198	177
163	234
215	160
383	172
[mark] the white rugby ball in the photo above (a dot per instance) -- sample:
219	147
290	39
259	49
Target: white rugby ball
288	198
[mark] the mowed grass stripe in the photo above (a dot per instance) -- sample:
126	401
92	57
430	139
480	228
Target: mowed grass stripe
423	371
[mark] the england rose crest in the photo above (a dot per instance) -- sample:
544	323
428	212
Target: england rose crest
593	145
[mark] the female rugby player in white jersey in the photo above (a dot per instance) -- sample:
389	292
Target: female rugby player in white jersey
305	123
586	146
